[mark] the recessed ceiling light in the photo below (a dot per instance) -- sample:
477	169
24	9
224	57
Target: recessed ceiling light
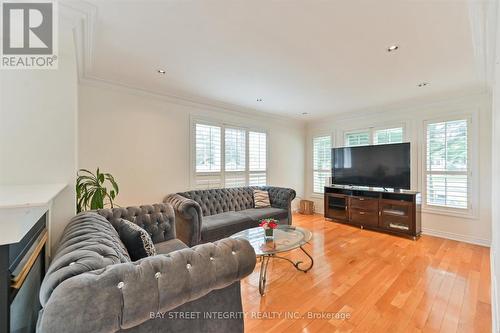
392	48
422	84
161	71
305	113
260	100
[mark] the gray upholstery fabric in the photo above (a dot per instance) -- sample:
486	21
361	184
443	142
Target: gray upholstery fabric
187	218
89	242
158	219
224	225
226	300
91	286
170	246
257	214
193	208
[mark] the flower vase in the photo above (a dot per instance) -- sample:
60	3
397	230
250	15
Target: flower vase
269	233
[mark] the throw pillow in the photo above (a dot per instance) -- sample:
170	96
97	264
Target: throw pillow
137	240
261	199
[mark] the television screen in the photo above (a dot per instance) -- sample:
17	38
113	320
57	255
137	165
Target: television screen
379	166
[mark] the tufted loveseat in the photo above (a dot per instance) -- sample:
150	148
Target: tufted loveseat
93	286
207	215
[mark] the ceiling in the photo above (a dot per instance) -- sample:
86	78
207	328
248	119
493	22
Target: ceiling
320	57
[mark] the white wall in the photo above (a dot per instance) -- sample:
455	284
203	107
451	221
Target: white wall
495	222
38	111
476	230
143	140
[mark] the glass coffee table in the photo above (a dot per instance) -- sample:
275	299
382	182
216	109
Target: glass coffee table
286	238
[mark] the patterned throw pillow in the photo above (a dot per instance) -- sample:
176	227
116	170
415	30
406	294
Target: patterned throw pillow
137	240
261	199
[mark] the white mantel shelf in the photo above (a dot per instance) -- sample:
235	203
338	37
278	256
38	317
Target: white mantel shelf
21	206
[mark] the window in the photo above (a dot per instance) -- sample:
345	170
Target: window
374	136
388	135
321	162
361	138
257	151
229	157
447	170
234	157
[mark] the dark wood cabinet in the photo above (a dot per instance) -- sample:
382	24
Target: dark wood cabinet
396	212
336	206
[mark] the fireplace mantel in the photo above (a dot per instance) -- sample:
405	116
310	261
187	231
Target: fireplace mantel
21	206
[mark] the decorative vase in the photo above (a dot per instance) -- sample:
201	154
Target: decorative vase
269	233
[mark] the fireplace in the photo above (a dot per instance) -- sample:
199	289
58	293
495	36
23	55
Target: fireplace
22	268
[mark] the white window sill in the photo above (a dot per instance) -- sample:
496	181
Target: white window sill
466	214
317	195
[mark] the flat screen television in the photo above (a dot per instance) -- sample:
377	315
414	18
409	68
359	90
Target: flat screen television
377	166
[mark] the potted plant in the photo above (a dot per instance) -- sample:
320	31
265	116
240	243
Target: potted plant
269	225
91	190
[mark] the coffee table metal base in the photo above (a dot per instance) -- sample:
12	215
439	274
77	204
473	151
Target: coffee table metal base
265	262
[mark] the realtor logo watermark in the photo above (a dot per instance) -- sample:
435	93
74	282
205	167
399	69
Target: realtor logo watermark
29	34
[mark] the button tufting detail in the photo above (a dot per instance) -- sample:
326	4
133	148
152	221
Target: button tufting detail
120	285
233	252
188	266
157	275
212	258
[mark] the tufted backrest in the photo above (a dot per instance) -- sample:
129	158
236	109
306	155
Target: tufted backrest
158	219
89	242
216	201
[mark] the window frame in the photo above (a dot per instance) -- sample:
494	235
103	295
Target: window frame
371	132
332	144
472	168
222	173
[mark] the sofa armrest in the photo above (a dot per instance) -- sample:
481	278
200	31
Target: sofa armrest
282	197
188	217
125	295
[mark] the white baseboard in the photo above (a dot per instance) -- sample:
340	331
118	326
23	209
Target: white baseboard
494	294
457	237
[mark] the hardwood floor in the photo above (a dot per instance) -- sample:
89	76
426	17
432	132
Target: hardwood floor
383	283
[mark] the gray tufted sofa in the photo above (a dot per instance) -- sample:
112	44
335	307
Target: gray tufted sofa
207	215
93	286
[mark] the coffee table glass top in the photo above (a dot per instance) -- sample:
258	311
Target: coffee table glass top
286	238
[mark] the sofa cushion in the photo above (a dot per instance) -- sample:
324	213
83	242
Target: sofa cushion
158	219
216	201
137	240
257	214
170	246
261	199
223	225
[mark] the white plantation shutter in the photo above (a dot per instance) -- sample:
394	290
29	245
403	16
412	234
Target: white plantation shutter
361	138
235	149
257	163
388	135
321	162
447	171
208	148
239	159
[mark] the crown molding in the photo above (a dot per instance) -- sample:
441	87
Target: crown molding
96	82
82	17
406	105
483	20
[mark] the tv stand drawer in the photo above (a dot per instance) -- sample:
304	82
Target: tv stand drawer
365	204
363	217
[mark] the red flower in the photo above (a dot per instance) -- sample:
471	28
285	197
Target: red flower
273	225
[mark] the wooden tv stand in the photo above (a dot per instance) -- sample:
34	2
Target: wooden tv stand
395	212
